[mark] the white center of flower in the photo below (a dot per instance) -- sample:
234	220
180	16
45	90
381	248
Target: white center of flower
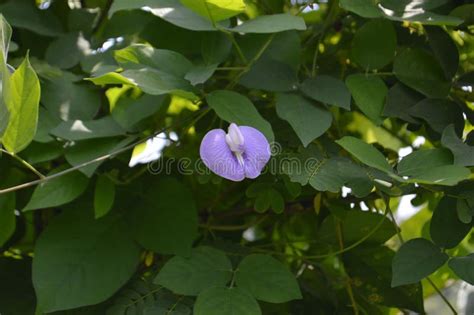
235	141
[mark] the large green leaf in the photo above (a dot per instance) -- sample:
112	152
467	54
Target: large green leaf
399	100
444	49
267	279
236	108
439	113
432	167
415	260
215	10
150	80
81	130
5	36
364	8
7	217
271	24
308	120
67	50
463	267
374	44
139	55
310	166
68	100
129	111
446	229
463	153
172	11
57	191
421	71
24	14
416	11
81	261
22	99
104	196
365	153
369	94
205	268
222	300
167	212
355	225
271	75
328	90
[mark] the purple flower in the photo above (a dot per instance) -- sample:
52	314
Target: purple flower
242	152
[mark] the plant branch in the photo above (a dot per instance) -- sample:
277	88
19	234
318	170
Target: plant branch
24	163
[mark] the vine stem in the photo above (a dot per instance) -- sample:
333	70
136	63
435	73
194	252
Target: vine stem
24	163
400	237
99	159
350	292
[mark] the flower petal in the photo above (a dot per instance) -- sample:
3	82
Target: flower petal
256	152
217	156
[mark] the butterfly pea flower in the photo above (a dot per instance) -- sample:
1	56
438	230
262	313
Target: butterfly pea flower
240	153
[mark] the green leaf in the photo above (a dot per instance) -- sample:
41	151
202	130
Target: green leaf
369	92
463	267
464	210
271	75
104	196
399	100
237	108
271	24
364	8
308	120
151	81
222	300
22	100
446	230
416	11
310	166
67	50
205	268
444	50
57	191
199	74
463	153
170	213
328	90
439	113
415	260
171	11
80	261
355	226
68	100
24	14
371	267
374	44
365	153
267	279
215	48
266	197
215	10
421	71
5	37
7	217
139	55
424	160
80	130
129	111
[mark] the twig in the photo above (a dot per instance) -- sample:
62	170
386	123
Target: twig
348	283
23	162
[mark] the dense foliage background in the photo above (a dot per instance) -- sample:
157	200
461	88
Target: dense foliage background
373	97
